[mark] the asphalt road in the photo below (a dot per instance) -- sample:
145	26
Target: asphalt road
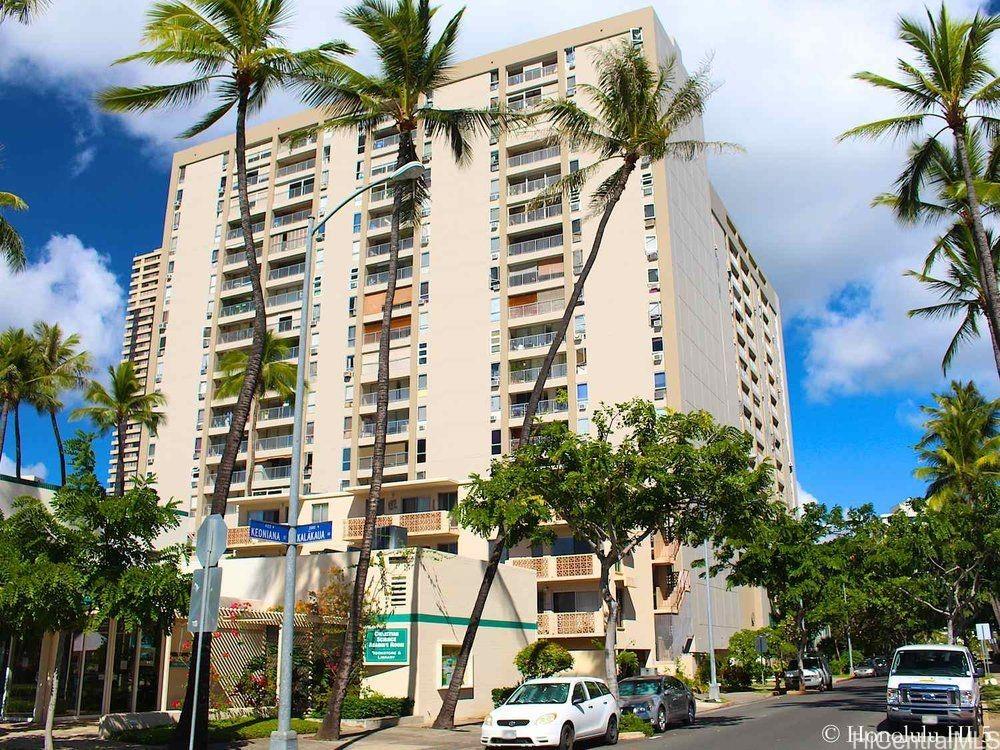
851	716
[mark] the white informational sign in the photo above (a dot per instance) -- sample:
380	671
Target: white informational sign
983	632
205	601
212	540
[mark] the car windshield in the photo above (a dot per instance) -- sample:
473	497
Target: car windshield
931	663
630	688
540	692
807	663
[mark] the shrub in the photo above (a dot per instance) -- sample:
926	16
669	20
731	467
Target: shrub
370	705
501	694
632	723
628	664
736	677
542	659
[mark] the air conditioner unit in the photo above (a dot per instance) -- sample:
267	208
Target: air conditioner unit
579	338
582	406
494	417
658	359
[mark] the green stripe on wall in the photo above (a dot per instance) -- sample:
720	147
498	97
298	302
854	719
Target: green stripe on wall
461	621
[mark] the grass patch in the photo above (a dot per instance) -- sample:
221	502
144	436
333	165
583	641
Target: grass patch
991	697
632	723
224	730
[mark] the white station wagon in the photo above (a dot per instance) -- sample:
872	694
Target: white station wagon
554	712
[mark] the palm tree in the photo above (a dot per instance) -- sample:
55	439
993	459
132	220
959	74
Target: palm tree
124	401
960	287
22	11
639	113
63	366
11	244
951	87
235	49
960	448
411	65
18	371
276	375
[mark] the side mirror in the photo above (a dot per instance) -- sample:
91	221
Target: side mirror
578	701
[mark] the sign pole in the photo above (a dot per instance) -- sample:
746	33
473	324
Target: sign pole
211	544
197	658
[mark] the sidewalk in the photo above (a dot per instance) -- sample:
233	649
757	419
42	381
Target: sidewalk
741	698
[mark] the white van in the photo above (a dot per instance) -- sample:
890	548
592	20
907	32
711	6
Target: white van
933	685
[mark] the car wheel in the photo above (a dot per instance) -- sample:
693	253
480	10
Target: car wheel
661	719
611	733
566	737
689	717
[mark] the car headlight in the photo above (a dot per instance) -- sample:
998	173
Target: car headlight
968	698
647	706
892	695
545	719
488	721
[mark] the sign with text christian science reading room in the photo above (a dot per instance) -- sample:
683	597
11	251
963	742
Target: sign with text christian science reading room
387	646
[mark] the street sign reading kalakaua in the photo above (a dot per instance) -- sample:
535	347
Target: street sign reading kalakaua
269	532
314	532
387	646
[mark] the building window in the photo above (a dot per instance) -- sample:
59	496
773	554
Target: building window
577	229
649	211
570	85
495	310
422	451
653	275
571	57
581	394
496	446
345	459
320	512
422	382
357	223
659	385
422	353
657	344
421	415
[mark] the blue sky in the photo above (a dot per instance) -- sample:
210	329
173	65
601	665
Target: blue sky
858	369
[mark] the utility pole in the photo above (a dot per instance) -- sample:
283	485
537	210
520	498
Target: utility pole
713	685
850	649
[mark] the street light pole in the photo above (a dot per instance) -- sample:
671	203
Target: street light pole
850	649
284	738
713	685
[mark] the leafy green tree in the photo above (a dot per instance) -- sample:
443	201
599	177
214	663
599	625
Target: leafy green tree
680	475
22	11
11	244
637	112
951	87
506	508
19	369
62	366
542	659
277	375
113	407
410	64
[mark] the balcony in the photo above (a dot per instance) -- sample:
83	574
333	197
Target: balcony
382	248
296	216
527	75
289	244
533	276
286	271
532	184
398	368
275	412
550	211
570	624
215	450
287	298
395	334
670	604
240	282
403	273
273	473
533	157
275	443
297	146
535	245
394	427
532	341
237	259
664	551
238	308
380	223
560	567
237	233
395	395
392	460
386	141
232	337
236	478
426	523
296	168
546	307
530	374
548	406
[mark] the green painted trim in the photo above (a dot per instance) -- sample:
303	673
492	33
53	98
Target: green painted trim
462	621
29	482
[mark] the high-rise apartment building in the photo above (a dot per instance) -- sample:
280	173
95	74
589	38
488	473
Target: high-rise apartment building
142	345
483	278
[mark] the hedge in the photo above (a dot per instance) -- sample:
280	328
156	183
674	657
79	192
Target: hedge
373	705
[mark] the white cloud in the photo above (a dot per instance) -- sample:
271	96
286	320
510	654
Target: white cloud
801	200
70	284
38	471
83	159
805	497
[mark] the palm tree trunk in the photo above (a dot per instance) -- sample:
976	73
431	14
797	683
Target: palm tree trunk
59	446
120	463
987	270
610	626
4	411
224	475
17	440
574	298
446	716
330	729
251	439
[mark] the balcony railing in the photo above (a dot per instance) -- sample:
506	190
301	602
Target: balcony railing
535	214
665	551
232	234
286	219
529	375
273	443
395	334
221	420
570	623
531	74
380	222
394	427
216	449
524	102
236	309
237	477
548	406
535	183
269	473
536	308
296	243
531	246
396	394
560	566
239	257
297	143
530	157
532	276
385	141
532	341
237	283
276	412
300	166
406	243
402	273
241	334
285	271
426	522
276	300
392	460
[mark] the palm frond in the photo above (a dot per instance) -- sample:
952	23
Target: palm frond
896	127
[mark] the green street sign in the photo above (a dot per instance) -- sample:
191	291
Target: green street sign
387	646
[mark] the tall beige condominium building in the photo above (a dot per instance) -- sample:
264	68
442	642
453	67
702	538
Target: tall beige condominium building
483	280
143	345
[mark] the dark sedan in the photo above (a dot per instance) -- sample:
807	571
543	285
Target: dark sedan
660	700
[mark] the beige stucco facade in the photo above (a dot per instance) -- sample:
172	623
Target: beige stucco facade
484	281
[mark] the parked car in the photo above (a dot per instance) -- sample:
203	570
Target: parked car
815	673
866	668
934	684
660	700
555	711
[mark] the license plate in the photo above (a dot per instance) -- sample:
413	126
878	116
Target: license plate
929	719
511	734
